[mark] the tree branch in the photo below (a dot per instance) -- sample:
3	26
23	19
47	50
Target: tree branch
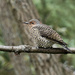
31	49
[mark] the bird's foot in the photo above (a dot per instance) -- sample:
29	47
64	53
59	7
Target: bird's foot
46	47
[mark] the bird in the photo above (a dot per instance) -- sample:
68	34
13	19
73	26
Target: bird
44	35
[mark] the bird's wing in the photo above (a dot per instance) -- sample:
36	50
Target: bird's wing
49	33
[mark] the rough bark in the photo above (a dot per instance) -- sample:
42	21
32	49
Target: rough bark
12	14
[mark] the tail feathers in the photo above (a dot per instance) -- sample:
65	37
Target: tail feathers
67	48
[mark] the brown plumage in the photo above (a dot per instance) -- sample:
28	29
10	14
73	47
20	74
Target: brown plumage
46	34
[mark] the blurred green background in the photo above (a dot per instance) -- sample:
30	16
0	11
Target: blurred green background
60	14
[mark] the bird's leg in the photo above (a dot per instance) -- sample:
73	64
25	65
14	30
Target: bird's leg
49	47
46	47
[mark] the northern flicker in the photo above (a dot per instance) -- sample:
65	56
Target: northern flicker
44	35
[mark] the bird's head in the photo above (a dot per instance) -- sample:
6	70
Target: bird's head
33	22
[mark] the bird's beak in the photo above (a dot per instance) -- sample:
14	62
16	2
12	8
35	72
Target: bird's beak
26	22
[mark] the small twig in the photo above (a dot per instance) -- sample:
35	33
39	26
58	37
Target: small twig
31	49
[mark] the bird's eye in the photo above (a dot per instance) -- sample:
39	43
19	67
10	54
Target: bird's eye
32	23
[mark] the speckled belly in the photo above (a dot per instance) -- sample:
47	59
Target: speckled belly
43	42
